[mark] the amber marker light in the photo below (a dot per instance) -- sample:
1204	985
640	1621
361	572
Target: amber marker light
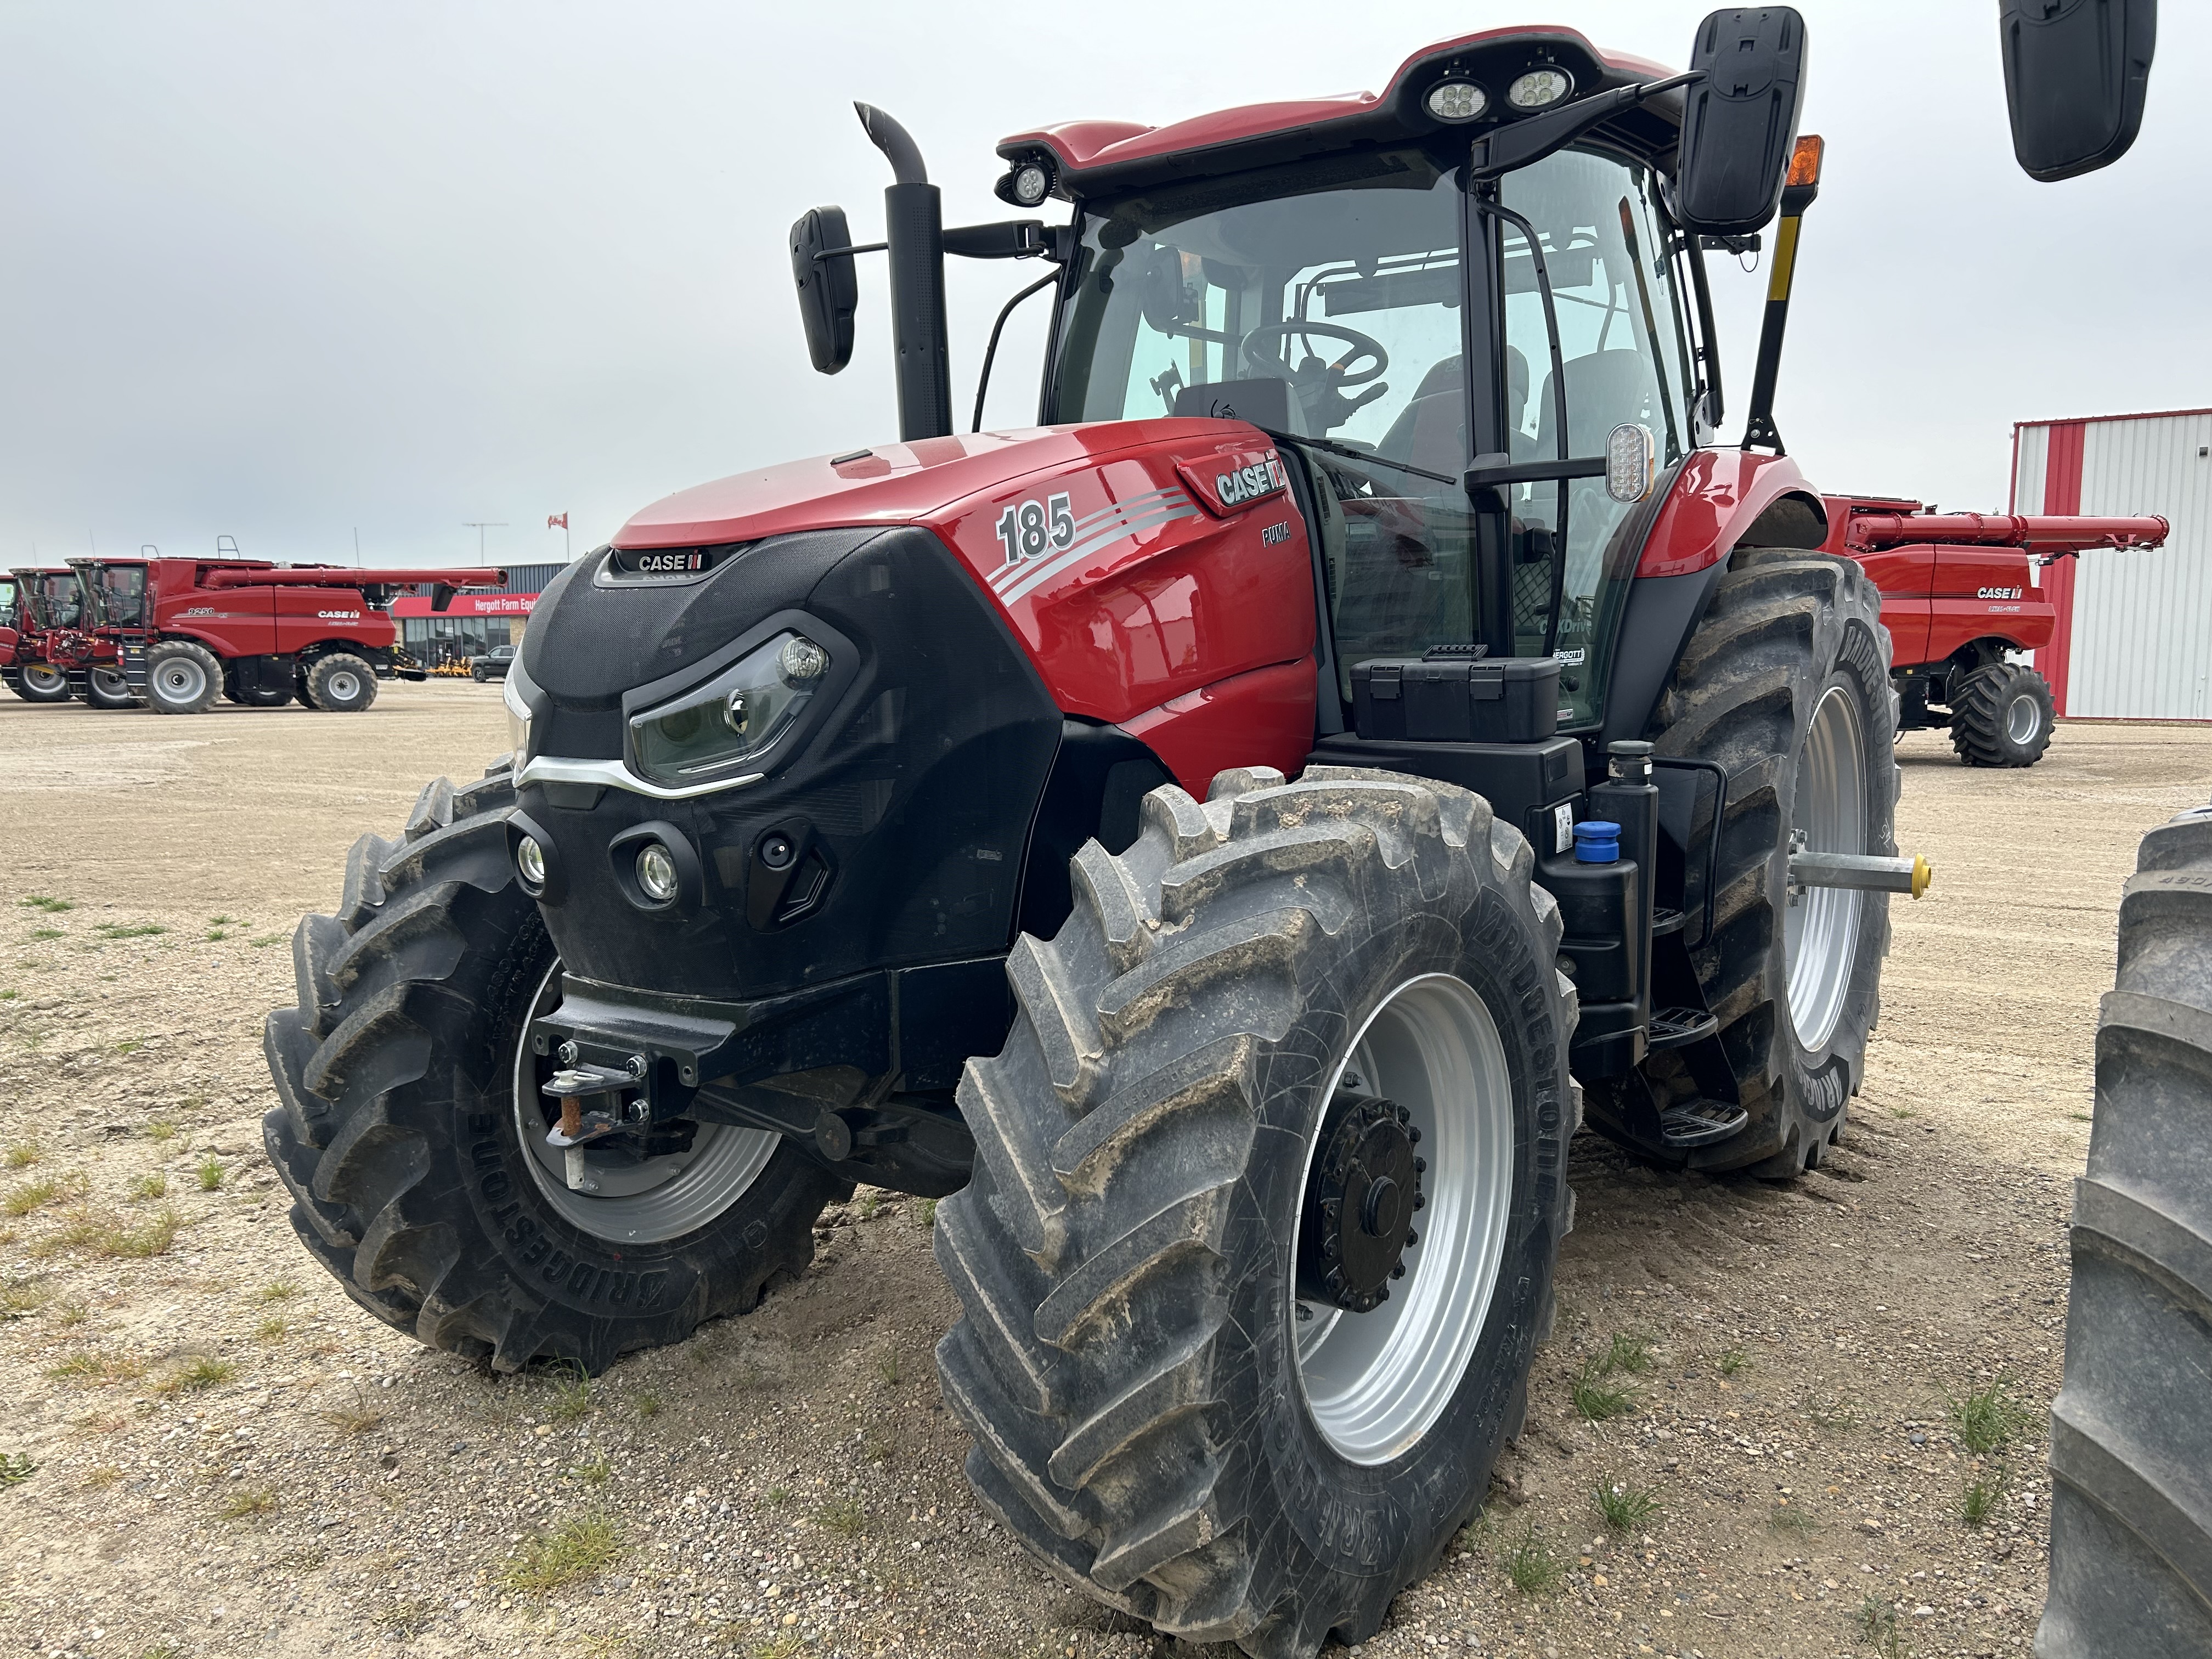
1805	160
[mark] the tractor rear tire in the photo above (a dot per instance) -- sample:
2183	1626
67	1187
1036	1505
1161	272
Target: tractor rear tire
106	688
416	1180
1163	1414
1785	683
183	676
40	682
2130	1438
2001	715
341	683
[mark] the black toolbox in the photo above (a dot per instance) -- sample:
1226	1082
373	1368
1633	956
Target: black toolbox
1454	695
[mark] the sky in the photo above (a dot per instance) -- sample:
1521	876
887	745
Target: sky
305	274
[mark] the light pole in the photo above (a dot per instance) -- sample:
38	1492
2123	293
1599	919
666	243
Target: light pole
480	525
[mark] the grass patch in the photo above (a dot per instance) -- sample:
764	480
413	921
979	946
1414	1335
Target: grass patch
1986	1418
868	1207
202	1373
47	902
1631	1351
845	1517
263	944
21	1296
1625	1508
407	1618
357	1419
776	1497
276	1289
71	1314
572	1549
23	1155
45	933
155	1185
1597	1397
1733	1361
129	929
887	1367
1877	1624
252	1501
222	921
161	1129
928	1213
1532	1567
15	1468
1982	1492
595	1472
649	1406
107	1236
101	1476
96	1368
572	1396
211	1175
35	1194
1792	1519
2082	1117
271	1330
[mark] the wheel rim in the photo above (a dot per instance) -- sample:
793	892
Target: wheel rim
181	680
2024	719
109	683
1376	1382
343	686
44	676
657	1199
1820	927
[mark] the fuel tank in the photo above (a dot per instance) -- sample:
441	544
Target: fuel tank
1018	629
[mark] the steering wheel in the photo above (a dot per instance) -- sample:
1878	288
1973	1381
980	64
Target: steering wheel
1280	334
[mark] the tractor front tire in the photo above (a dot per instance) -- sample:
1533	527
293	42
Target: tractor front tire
2130	1438
40	682
1169	1411
182	678
340	684
2001	715
417	1167
106	688
1785	684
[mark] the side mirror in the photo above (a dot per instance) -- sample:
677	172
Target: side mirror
829	287
1739	120
2076	72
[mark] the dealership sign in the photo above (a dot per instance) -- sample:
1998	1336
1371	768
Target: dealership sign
466	604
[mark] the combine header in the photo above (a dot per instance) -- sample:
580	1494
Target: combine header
1959	596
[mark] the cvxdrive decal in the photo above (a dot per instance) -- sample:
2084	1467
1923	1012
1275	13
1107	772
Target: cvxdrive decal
1043	538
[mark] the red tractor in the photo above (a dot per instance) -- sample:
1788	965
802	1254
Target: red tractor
1221	840
1959	598
177	633
46	605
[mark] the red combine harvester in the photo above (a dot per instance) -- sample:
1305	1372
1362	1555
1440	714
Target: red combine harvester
180	632
1959	595
47	601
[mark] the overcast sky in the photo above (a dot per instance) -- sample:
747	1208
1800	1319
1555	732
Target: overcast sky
290	271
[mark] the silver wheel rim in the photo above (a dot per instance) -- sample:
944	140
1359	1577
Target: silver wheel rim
109	683
2023	719
661	1198
1376	1382
44	676
343	686
1820	927
182	680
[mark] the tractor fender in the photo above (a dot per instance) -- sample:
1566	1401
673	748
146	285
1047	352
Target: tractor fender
1720	500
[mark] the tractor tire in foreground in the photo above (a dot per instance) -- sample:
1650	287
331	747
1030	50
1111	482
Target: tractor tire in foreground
340	684
1784	683
2131	1433
1198	1393
419	1168
39	682
182	678
2001	715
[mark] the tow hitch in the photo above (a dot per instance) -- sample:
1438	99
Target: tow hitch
1866	874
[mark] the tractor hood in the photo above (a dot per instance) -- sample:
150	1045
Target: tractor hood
890	483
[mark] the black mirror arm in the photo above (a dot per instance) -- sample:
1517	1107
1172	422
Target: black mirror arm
1532	138
1009	239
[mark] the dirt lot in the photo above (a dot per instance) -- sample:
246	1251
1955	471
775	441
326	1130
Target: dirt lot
225	1456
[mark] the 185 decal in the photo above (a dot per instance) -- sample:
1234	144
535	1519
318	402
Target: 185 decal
1027	530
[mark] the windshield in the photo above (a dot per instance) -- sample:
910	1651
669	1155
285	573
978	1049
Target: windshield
1322	300
119	595
54	599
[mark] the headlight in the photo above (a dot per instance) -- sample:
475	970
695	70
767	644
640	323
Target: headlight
514	692
733	719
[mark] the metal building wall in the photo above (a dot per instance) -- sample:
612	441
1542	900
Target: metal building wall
2135	629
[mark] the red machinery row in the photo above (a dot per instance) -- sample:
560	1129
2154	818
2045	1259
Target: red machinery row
173	635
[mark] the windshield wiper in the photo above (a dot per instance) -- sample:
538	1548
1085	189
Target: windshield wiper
1329	446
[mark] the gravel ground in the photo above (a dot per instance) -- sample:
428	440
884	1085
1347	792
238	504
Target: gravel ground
225	1456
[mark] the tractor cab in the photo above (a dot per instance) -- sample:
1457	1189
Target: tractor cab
117	593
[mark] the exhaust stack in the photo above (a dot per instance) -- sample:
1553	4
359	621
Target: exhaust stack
914	226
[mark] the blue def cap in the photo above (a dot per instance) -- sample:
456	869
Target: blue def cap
1597	841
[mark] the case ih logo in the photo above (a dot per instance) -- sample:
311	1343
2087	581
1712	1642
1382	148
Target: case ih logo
668	564
1249	483
337	616
1999	593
